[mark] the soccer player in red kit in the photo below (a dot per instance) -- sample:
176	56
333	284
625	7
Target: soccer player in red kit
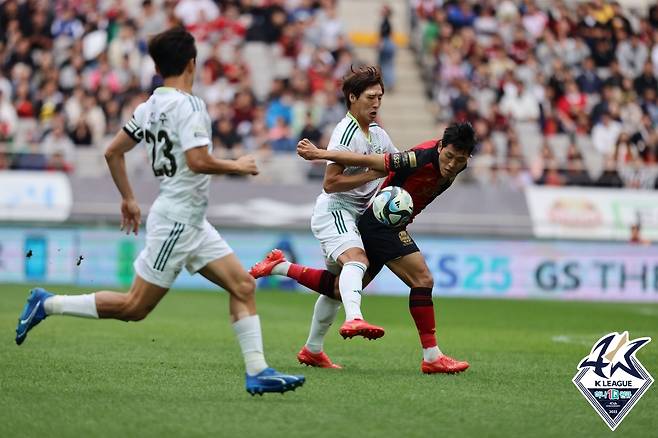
425	171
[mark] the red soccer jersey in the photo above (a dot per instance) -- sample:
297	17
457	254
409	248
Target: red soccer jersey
423	184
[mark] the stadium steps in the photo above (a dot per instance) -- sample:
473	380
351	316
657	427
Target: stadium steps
406	114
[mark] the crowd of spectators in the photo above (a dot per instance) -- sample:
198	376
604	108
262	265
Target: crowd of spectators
560	92
72	71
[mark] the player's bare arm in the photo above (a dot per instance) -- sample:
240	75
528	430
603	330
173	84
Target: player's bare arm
115	157
381	162
308	151
200	161
336	181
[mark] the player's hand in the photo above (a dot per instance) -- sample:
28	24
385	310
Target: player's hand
247	165
308	150
131	216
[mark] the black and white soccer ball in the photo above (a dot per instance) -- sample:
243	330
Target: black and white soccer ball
393	206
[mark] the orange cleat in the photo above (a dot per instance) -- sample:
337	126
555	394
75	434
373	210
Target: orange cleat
359	327
320	360
445	365
264	267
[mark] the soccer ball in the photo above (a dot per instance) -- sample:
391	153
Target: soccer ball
393	206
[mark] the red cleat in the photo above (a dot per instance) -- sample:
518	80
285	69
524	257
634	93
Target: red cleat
445	365
359	327
320	360
264	267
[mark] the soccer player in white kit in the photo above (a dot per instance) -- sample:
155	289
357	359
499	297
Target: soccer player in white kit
174	126
347	191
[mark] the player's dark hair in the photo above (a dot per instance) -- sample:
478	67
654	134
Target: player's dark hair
461	135
359	80
171	50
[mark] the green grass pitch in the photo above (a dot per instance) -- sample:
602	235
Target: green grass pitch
179	372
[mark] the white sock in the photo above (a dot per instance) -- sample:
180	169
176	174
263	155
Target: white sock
431	354
248	332
350	284
73	305
281	268
324	314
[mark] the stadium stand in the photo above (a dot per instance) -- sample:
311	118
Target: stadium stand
72	72
553	88
546	76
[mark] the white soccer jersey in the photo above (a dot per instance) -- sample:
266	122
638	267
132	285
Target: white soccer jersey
169	123
348	136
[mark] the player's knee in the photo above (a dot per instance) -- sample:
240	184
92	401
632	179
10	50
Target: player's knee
135	311
424	279
361	258
245	288
354	255
138	315
133	314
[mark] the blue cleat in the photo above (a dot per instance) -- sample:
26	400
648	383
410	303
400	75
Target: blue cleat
270	380
33	313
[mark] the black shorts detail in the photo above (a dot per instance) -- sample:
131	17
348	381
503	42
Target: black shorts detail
383	243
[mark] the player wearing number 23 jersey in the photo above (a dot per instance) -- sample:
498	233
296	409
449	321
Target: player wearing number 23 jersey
169	123
174	127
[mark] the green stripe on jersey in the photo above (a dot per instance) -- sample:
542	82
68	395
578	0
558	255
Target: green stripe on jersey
350	136
352	125
193	103
349	133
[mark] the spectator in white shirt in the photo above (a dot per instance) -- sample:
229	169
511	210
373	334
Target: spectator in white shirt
534	21
605	135
58	142
191	11
8	118
520	103
632	55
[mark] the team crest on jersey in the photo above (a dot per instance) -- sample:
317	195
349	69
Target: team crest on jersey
611	378
405	238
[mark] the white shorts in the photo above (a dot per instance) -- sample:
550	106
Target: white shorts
336	231
170	245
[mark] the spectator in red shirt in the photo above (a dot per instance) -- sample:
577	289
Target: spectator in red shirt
572	102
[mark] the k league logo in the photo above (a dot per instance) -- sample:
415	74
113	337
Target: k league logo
611	378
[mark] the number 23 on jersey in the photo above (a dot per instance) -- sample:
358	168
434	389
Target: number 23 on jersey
162	160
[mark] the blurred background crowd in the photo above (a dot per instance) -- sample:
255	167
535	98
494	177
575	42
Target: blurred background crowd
561	93
72	72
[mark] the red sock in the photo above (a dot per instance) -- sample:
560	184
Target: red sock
318	280
422	311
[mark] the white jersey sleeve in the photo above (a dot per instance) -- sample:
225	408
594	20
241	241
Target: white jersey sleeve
134	126
386	143
341	138
192	128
